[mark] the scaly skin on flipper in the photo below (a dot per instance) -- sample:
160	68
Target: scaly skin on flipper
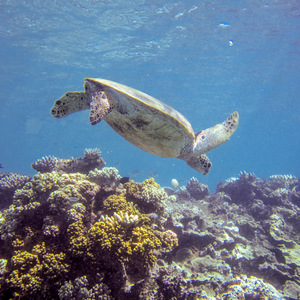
69	103
100	107
210	138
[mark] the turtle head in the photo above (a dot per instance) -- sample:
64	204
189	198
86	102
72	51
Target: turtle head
210	138
69	103
200	163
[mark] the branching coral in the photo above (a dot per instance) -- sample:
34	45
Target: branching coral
13	181
122	218
81	288
115	203
9	182
60	186
118	204
45	164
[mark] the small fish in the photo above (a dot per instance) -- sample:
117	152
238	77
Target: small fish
73	199
175	183
124	180
117	164
1	166
153	174
135	173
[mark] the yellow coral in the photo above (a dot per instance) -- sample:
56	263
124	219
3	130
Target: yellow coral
115	203
25	278
144	242
39	249
24	284
77	239
17	243
136	187
108	236
132	245
24	260
69	185
147	195
27	271
54	265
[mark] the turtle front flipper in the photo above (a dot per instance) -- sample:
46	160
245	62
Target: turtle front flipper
99	106
69	103
200	163
210	138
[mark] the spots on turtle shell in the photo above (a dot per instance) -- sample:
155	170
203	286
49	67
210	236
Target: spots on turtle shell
138	122
122	110
116	127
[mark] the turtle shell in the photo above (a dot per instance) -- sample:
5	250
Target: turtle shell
145	121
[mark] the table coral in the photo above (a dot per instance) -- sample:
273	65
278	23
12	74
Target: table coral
105	176
90	161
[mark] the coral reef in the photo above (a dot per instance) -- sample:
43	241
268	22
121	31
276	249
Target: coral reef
58	221
90	161
77	230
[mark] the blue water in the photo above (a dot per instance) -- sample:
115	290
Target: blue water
204	58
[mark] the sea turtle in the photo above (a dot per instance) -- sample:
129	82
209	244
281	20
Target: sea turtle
146	122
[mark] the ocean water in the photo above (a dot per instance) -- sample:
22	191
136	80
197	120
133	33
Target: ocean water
204	58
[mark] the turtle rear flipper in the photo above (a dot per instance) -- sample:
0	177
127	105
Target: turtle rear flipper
100	107
200	163
210	138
